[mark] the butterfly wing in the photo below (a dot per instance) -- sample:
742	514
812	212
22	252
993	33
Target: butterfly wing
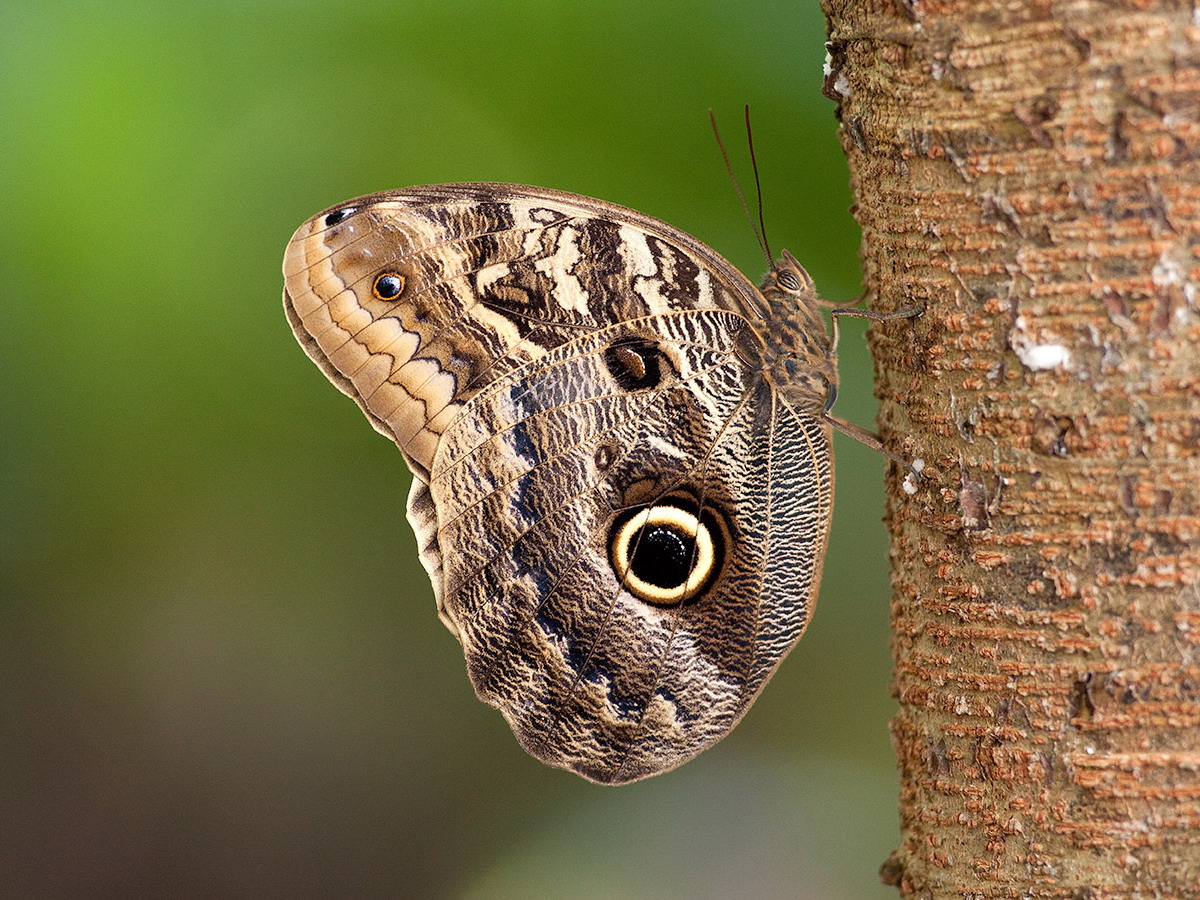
434	308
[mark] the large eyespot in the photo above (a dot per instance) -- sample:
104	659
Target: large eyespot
634	362
388	286
666	554
338	215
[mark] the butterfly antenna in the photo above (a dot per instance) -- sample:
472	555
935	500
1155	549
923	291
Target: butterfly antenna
758	231
762	225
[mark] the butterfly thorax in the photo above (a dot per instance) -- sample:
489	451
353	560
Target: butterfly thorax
796	352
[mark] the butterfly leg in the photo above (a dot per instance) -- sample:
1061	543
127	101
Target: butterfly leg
911	313
849	428
870	438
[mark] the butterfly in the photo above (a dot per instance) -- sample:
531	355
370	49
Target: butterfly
620	449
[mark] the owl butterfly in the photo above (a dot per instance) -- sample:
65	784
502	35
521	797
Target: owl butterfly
620	449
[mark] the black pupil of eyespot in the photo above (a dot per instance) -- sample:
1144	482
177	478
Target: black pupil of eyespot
662	556
334	217
388	286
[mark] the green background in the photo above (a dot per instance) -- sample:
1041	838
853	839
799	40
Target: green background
221	670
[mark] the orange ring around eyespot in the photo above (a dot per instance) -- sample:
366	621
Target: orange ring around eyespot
389	297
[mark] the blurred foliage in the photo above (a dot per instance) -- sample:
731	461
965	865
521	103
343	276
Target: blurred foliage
222	672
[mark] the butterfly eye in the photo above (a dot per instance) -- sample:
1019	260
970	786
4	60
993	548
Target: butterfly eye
388	286
665	555
338	215
789	280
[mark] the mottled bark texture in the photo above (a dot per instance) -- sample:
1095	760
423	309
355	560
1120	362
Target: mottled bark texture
1031	171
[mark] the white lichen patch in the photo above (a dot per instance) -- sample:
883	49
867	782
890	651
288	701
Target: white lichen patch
909	485
1168	272
1171	272
1041	357
841	86
1038	354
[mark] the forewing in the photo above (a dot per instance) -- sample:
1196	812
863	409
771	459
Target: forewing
490	276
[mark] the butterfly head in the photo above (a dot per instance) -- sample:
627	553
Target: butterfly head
788	278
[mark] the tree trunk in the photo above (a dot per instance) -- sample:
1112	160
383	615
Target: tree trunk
1030	171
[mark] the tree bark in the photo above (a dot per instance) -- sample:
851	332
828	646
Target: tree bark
1031	171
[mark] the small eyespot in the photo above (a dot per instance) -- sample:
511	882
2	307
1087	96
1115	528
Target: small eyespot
789	280
388	286
603	458
338	215
634	363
